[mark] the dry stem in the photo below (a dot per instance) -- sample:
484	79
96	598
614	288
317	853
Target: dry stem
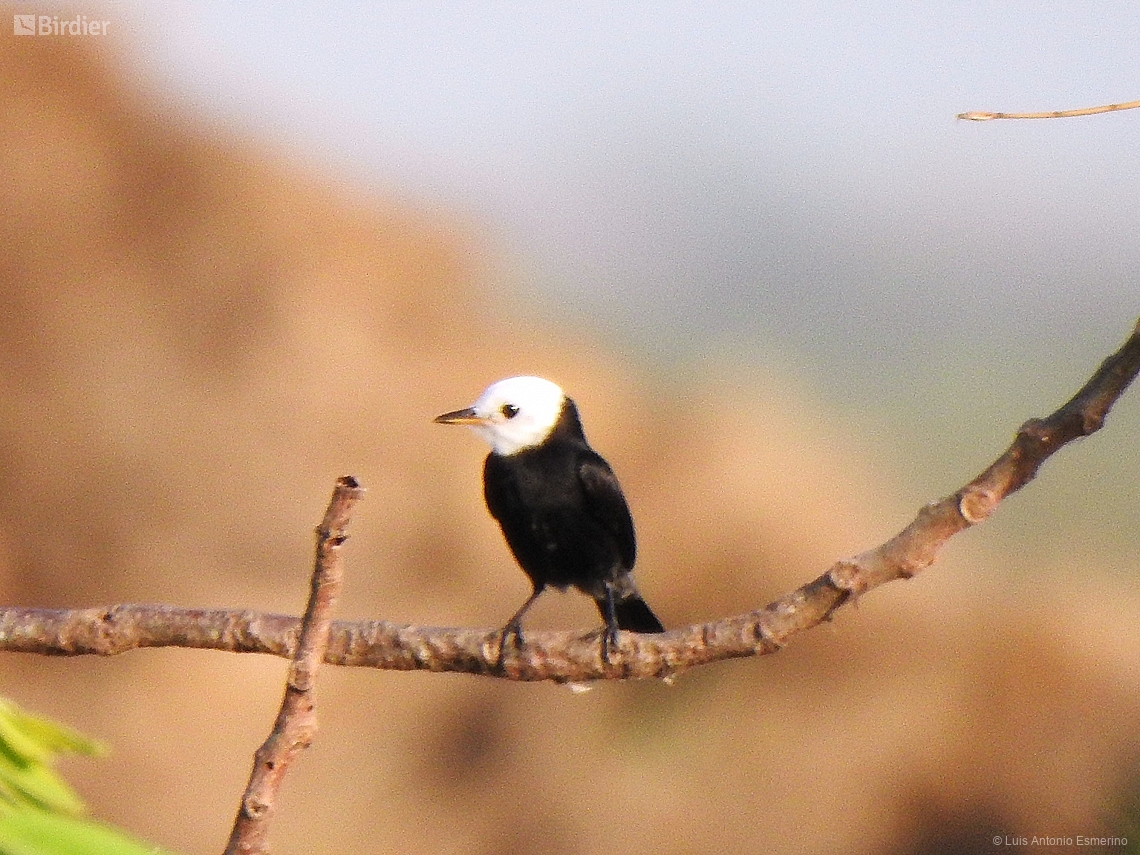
982	116
296	724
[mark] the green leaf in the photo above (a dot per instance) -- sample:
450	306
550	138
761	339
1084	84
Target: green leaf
37	786
33	832
37	739
28	745
39	812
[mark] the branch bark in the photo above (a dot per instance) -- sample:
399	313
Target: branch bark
296	724
574	657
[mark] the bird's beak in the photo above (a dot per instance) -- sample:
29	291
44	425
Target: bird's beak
466	416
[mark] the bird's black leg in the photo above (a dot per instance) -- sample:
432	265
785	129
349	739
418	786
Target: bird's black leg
513	627
609	635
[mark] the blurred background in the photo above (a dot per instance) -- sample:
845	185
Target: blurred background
245	249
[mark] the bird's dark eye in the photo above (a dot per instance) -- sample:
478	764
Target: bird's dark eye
509	411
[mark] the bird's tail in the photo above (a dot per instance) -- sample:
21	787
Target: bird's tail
633	615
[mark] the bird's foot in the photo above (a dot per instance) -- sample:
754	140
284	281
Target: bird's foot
609	644
511	633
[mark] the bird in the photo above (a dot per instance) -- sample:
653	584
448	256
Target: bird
560	507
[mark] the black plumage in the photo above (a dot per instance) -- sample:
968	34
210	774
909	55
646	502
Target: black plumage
566	520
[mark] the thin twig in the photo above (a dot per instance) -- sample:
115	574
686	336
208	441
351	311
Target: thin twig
980	116
296	724
567	656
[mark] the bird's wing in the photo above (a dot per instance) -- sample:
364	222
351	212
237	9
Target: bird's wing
496	489
606	503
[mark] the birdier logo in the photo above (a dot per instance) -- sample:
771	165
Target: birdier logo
53	25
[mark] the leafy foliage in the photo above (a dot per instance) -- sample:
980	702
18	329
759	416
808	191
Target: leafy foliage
40	814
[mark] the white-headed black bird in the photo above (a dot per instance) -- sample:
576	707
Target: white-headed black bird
560	507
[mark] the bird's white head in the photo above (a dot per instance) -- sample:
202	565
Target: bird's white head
513	414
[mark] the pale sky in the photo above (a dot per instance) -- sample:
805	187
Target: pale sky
719	185
732	176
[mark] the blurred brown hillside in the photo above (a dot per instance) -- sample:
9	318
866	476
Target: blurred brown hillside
199	337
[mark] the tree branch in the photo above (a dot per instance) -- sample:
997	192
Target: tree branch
574	657
296	724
